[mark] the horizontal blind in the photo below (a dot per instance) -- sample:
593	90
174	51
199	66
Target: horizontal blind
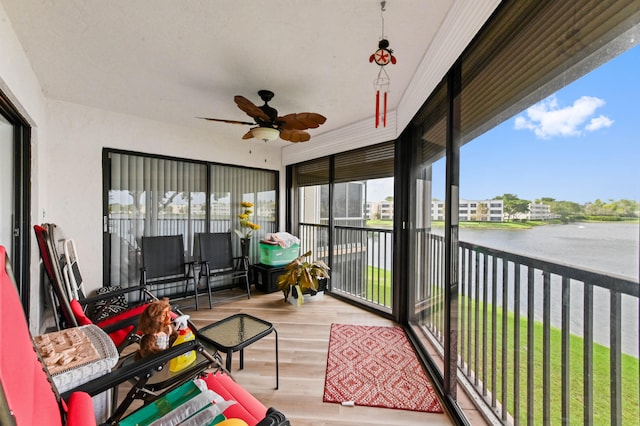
313	172
432	120
371	162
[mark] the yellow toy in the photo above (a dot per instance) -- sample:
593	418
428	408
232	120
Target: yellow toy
184	335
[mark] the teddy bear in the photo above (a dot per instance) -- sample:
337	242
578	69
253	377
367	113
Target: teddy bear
155	326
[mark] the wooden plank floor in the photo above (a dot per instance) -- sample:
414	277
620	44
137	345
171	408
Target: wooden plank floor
303	338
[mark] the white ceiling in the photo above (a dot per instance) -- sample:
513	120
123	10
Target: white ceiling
172	61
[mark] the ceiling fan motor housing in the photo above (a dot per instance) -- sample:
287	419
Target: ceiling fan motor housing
272	113
265	95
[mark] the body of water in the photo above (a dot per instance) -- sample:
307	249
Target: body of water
609	248
612	248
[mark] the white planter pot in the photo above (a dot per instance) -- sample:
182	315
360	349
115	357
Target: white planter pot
307	298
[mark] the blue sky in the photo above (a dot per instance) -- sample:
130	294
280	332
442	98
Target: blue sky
580	144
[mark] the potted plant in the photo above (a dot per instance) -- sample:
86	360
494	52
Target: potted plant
303	276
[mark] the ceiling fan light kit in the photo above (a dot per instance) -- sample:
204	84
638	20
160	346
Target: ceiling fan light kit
290	127
266	134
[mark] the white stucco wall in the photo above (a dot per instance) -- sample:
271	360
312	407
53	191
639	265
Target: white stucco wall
67	142
19	83
77	135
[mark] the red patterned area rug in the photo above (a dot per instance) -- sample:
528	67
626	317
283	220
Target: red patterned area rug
376	366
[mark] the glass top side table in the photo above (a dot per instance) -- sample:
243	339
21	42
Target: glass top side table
236	332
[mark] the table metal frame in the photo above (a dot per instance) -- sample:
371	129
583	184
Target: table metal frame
214	334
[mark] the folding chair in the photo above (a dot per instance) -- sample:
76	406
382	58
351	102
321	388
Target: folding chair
163	263
71	270
117	321
217	262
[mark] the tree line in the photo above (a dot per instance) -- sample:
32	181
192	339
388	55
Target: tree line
570	210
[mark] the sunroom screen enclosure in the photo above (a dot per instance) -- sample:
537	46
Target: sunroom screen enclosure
332	201
536	340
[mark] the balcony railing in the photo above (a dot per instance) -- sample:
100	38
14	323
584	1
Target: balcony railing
361	263
539	342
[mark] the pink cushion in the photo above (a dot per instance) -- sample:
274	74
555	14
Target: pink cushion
80	410
28	392
78	312
120	335
248	408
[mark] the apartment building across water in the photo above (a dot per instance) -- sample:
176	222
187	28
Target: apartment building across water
469	210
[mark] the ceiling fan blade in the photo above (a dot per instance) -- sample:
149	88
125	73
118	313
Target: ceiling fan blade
228	121
247	135
294	135
250	108
301	121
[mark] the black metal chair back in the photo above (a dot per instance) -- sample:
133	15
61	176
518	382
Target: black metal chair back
217	250
163	262
216	258
163	256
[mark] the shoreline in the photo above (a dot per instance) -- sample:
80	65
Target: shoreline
509	226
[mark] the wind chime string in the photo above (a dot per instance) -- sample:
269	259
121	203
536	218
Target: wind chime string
382	10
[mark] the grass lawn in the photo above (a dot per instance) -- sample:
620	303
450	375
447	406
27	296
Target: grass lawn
527	224
601	389
379	291
379	286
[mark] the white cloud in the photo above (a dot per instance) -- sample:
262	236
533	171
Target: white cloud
598	123
547	118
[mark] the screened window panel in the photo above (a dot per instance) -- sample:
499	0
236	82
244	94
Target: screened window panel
151	196
355	205
340	201
428	244
162	196
233	185
527	51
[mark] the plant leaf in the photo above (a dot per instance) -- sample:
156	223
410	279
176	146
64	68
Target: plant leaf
300	296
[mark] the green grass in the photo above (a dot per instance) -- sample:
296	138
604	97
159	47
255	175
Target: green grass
379	286
601	369
525	224
379	223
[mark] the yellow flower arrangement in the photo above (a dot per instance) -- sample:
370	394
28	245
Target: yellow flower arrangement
246	226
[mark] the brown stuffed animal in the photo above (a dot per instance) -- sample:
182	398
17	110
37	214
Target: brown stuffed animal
155	326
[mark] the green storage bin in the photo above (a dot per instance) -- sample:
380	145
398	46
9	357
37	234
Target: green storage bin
274	255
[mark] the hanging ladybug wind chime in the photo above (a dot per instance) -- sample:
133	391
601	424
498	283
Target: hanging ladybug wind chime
382	57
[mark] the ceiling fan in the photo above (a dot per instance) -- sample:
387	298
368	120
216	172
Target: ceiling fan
269	126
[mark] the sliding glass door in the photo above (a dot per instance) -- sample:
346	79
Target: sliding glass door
15	194
149	195
344	214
